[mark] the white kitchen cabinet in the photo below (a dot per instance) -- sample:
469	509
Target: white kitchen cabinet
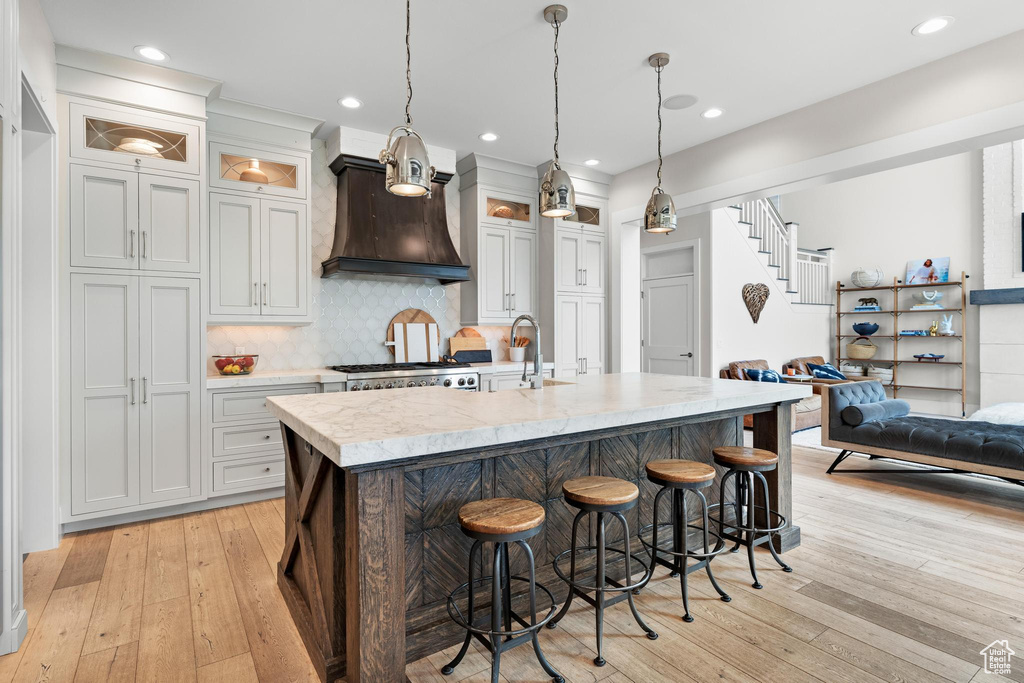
135	391
170	367
132	221
505	274
256	169
579	262
104	220
579	335
168	224
590	216
523	272
259	260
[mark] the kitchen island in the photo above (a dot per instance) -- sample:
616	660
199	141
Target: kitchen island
375	480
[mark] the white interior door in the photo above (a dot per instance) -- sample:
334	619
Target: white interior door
568	317
169	223
592	334
169	341
283	262
234	255
669	326
105	392
592	259
493	274
523	271
104	217
569	270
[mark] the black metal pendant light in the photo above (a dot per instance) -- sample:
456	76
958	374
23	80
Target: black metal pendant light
660	215
408	171
557	196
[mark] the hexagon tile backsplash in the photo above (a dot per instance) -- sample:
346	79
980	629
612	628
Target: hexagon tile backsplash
351	313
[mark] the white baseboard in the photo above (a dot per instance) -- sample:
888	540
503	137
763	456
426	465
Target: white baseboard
12	640
196	506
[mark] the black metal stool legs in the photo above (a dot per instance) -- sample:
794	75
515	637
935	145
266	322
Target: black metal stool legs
572	572
750	525
533	614
450	667
771	546
651	634
707	566
599	593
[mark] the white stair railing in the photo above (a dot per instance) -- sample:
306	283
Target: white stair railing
808	273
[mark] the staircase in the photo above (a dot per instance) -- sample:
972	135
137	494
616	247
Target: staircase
805	275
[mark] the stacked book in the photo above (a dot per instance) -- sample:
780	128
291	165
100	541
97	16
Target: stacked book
861	309
925	307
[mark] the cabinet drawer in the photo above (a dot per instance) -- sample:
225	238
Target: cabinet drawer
252	473
229	406
247	440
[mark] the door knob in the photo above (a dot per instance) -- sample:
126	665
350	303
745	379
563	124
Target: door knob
686	355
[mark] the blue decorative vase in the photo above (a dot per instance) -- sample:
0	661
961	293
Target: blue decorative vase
865	329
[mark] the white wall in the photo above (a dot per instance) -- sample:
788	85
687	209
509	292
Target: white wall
885	219
37	56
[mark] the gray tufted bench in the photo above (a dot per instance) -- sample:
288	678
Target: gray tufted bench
958	446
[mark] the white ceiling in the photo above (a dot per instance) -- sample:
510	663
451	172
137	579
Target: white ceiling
485	65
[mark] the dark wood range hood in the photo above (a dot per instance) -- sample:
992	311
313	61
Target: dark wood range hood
383	234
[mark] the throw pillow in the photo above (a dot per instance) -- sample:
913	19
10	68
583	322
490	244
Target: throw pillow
1001	414
764	376
875	412
826	371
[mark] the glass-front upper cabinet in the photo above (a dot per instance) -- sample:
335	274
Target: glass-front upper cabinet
506	209
263	172
123	135
588	216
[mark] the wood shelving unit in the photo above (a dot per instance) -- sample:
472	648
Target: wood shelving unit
895	313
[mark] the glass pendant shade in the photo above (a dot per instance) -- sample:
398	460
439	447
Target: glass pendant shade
557	196
660	215
408	171
253	174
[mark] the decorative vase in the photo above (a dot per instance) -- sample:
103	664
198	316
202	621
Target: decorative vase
867	277
928	296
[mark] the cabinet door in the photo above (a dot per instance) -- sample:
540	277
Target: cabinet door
492	276
592	260
568	268
105	392
284	264
234	255
169	342
104	218
523	271
169	224
567	336
592	334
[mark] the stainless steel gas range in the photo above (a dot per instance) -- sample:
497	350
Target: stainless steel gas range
450	374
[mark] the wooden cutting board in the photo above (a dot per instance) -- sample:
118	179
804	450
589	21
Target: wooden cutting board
457	344
468	332
409	315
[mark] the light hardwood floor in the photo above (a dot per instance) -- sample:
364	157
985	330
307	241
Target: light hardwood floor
899	578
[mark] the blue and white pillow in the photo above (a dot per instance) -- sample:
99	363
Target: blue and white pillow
764	376
826	371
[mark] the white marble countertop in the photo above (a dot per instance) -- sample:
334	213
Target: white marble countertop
374	427
325	376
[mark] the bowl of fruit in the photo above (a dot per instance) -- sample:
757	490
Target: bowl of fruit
235	365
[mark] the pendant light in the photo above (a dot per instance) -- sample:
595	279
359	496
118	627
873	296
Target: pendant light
660	215
408	171
557	196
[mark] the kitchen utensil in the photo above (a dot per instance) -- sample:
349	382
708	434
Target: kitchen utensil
865	329
409	315
861	351
242	364
468	332
418	341
474	356
456	344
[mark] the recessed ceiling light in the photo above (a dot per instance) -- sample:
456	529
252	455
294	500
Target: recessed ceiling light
677	102
350	103
488	137
151	53
592	162
933	25
712	113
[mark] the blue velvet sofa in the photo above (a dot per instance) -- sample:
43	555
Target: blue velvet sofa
856	418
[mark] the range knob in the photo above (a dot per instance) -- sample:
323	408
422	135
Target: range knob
471	381
411	383
379	386
367	387
447	382
423	382
391	385
355	387
433	382
462	381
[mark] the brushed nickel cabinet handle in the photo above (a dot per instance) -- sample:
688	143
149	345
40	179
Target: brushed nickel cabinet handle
133	391
266	436
144	243
131	245
266	469
255	293
264	293
145	390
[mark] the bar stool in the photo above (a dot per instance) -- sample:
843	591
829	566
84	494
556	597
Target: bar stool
678	477
747	465
611	496
501	521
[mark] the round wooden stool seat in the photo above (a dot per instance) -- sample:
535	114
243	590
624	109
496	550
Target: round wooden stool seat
743	457
680	472
501	516
600	491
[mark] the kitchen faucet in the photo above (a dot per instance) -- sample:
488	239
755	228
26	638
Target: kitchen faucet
536	380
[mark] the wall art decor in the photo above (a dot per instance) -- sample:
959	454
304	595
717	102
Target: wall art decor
755	295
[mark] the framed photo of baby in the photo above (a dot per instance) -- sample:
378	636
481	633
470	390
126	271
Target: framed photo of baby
927	271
